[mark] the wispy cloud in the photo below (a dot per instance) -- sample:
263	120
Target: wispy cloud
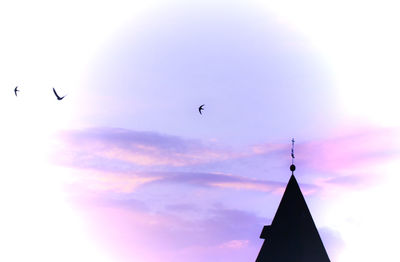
139	148
353	159
99	181
351	149
122	160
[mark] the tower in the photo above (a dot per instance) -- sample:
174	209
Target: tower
292	235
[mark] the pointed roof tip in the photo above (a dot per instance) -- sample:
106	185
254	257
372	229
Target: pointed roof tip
293	183
292	178
292	188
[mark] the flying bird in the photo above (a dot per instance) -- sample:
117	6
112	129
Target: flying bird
16	90
201	108
58	97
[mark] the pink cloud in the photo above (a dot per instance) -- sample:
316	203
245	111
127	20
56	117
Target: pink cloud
122	160
140	148
363	147
250	185
348	149
101	181
93	180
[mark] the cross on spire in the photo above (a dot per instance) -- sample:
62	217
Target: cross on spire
292	166
292	150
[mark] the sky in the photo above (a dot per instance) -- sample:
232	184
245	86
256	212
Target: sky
126	169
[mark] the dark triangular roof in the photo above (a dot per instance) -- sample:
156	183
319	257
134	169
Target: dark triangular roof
292	236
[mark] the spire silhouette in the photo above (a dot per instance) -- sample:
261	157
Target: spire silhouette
292	235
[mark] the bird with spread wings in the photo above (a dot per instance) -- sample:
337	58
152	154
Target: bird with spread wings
201	109
58	97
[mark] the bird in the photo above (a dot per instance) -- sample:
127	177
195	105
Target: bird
16	90
58	97
201	108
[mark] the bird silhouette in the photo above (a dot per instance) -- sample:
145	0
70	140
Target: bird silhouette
16	90
58	97
201	108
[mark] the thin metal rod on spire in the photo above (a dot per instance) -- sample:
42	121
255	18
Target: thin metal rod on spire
292	166
292	150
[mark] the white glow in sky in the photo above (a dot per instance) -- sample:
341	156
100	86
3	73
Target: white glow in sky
358	41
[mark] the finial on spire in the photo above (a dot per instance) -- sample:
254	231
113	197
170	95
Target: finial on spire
292	166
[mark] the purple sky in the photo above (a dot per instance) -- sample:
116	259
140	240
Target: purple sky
251	72
128	170
197	200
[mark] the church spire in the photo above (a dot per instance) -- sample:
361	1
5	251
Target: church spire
292	235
